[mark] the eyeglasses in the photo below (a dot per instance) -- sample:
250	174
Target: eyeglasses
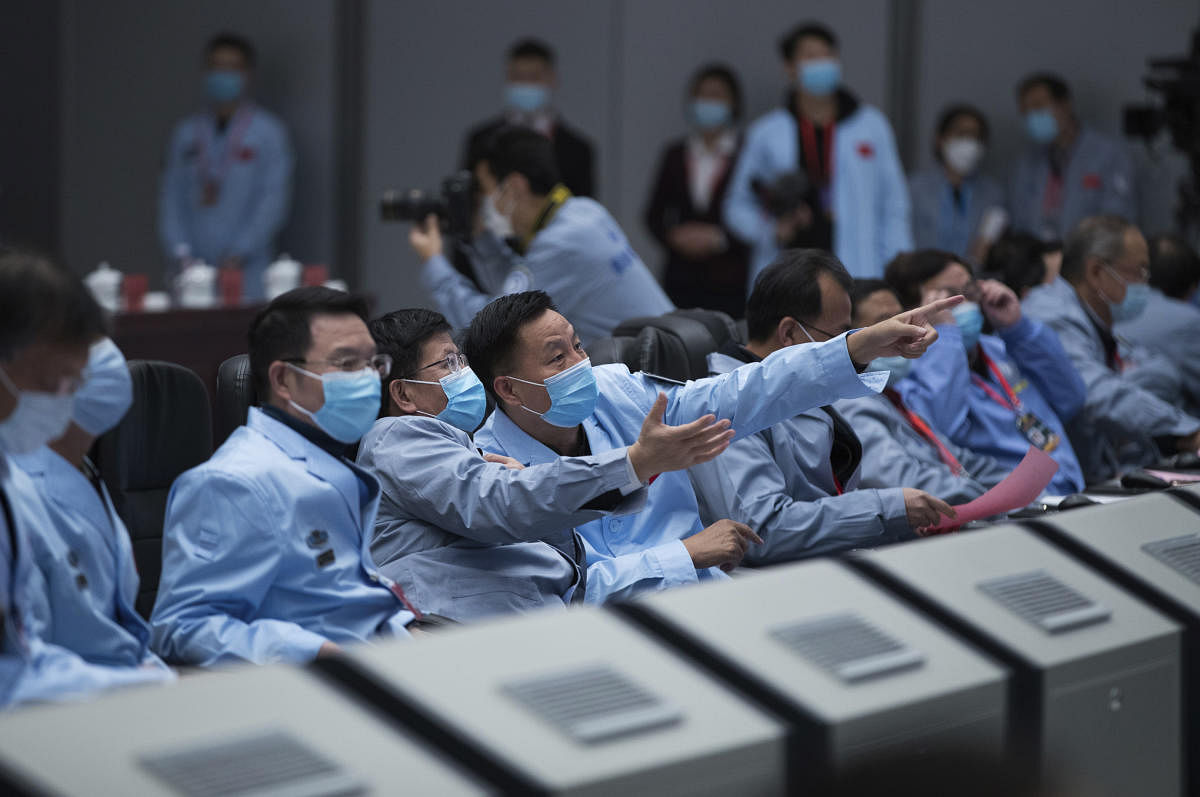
1143	275
379	363
451	362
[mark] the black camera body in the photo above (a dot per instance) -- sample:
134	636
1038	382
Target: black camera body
454	205
786	193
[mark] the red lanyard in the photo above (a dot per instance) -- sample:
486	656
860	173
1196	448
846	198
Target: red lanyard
1013	402
918	423
237	129
399	593
821	169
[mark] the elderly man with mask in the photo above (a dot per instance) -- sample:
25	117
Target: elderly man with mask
471	535
87	562
1103	282
552	402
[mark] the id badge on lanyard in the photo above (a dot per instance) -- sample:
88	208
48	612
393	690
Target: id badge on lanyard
1035	430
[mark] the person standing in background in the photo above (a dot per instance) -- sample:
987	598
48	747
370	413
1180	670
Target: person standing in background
706	266
528	93
847	152
227	181
1070	171
956	209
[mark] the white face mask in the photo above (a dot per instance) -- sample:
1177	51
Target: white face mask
494	221
38	418
962	154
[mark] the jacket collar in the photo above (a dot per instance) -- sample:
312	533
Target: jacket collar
517	443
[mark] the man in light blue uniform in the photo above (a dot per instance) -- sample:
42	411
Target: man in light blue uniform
553	403
796	483
1103	281
1070	170
996	394
86	559
266	547
1170	324
570	247
899	446
470	535
227	181
848	152
47	320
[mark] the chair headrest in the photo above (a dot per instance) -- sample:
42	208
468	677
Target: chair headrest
235	395
604	351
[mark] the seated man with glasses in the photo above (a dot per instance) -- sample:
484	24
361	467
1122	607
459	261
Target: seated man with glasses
266	547
1123	424
468	535
995	393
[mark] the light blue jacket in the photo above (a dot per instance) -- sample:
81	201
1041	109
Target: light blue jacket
645	551
581	258
253	201
897	455
1120	419
32	668
467	538
870	197
779	482
1171	328
266	554
86	559
941	389
941	223
1099	179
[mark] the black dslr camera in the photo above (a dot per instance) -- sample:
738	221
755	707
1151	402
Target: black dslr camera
454	205
785	194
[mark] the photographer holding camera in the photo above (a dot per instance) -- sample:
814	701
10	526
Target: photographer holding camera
570	247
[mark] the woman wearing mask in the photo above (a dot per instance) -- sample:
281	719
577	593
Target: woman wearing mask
955	208
706	267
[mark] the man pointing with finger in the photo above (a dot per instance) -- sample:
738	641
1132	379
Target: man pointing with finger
551	402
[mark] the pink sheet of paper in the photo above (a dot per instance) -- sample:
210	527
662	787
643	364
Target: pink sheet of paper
1019	488
1172	476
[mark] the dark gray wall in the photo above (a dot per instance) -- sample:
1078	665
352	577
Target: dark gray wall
132	68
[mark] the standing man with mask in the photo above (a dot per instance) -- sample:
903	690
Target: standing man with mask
530	81
569	247
1103	282
87	560
48	320
470	535
227	182
1070	170
266	547
847	151
995	393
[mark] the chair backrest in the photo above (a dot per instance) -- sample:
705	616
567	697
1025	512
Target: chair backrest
235	396
604	351
167	430
677	345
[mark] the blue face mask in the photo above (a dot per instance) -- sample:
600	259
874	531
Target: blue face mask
351	403
527	97
465	399
573	395
708	114
820	76
1136	296
897	368
969	318
1041	126
224	85
107	390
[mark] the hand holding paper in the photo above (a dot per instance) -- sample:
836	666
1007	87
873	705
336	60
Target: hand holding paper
1019	488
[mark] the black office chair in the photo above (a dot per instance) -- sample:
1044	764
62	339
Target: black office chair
235	396
604	351
167	430
677	345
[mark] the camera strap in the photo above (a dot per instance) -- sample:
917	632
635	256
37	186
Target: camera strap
557	197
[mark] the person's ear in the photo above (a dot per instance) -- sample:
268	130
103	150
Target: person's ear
789	333
1092	266
503	386
277	378
399	398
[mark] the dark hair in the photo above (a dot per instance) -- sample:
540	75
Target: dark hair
41	301
1102	237
864	288
531	48
233	41
400	334
1016	260
950	114
1057	87
908	270
789	287
1174	266
526	152
791	40
283	329
726	75
489	341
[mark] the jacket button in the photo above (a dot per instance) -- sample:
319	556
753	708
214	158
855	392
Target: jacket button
374	578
